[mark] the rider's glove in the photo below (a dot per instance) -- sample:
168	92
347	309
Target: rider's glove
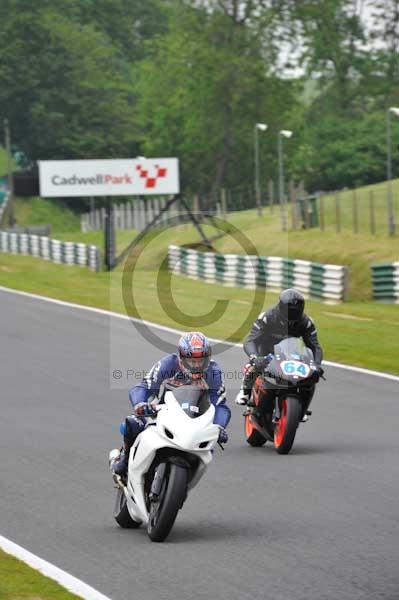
153	405
318	373
261	362
223	437
252	359
143	409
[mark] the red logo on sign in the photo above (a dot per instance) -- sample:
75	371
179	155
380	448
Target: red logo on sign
151	180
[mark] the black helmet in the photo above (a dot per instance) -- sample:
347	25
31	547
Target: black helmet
291	305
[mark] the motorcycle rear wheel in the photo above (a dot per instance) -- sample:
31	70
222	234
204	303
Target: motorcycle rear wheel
285	428
121	513
163	513
252	435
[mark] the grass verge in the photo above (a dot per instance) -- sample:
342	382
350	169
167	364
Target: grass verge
40	211
20	582
358	251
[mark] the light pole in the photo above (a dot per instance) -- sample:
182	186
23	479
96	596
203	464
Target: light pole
391	223
257	127
287	134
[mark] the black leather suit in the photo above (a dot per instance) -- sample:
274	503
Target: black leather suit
269	329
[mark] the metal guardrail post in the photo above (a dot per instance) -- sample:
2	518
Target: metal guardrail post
109	234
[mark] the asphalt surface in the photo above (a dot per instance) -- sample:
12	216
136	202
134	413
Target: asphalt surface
321	523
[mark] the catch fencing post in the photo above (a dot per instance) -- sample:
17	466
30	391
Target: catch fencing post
322	225
354	212
223	202
372	213
92	214
196	204
270	194
293	203
337	214
307	213
109	236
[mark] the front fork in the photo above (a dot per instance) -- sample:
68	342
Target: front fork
276	412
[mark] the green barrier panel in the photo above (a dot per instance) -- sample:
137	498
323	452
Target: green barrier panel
261	272
201	265
241	270
183	260
220	266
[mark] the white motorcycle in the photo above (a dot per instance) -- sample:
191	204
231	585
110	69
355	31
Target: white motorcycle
167	459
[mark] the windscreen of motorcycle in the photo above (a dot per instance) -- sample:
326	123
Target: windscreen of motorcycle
294	348
294	358
193	400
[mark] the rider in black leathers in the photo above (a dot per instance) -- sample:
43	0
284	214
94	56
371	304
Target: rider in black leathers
285	319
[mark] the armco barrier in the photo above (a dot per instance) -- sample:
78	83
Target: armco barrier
328	283
385	278
69	253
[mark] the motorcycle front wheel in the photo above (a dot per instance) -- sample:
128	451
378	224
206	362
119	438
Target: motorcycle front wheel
286	426
163	511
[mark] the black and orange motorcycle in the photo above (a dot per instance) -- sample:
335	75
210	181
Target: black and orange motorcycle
281	396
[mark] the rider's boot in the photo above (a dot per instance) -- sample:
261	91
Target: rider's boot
130	429
120	466
306	416
242	396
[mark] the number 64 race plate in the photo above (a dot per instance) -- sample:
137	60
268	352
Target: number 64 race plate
295	368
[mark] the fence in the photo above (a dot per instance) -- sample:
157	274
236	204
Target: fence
69	253
362	210
3	200
136	215
385	278
358	211
328	283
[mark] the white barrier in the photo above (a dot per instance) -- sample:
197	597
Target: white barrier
69	253
328	283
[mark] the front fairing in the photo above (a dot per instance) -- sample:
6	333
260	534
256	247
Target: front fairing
184	432
292	366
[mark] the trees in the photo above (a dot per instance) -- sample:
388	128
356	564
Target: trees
87	78
338	152
65	80
343	131
202	90
333	47
384	51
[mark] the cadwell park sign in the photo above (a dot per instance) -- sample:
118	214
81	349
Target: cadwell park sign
115	177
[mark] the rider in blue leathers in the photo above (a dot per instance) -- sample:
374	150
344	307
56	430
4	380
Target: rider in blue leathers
190	365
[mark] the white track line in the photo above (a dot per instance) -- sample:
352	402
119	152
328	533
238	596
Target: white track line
72	584
108	313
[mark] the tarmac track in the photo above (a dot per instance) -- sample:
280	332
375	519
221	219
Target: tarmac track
321	523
